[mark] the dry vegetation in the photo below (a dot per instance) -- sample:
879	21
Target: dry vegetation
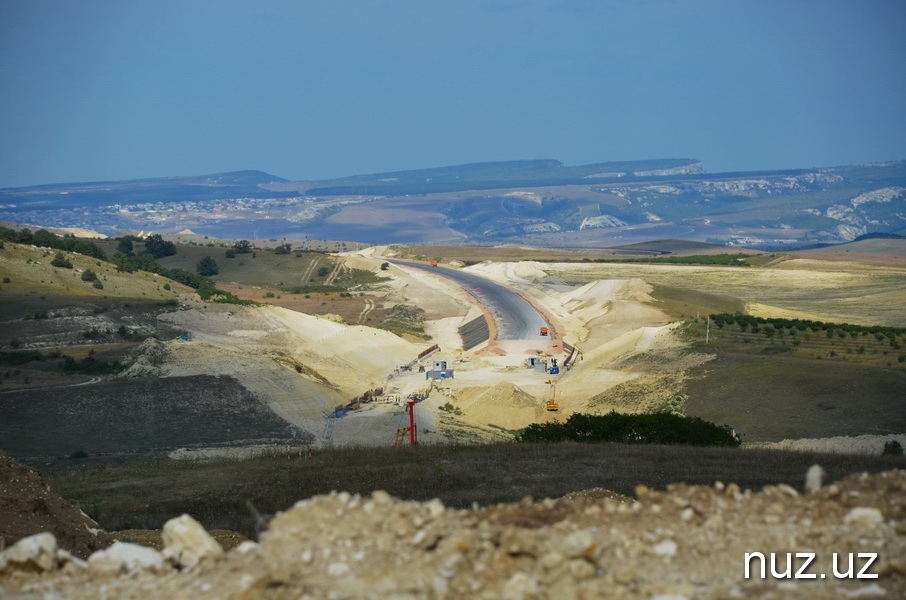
216	492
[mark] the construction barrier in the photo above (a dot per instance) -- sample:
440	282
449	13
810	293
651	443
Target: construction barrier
434	348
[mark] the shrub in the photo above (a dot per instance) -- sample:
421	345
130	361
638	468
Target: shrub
184	277
158	247
892	448
90	366
207	267
125	245
61	261
89	275
654	428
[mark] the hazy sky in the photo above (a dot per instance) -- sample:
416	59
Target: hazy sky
303	89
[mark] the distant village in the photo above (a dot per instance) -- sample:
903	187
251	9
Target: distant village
171	217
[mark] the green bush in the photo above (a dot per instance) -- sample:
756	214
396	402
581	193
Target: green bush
89	275
61	261
90	365
158	247
20	358
207	267
892	448
654	428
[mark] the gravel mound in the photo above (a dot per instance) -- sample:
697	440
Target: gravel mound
687	542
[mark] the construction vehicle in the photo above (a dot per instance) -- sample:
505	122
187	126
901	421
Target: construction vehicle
551	405
434	263
554	370
544	331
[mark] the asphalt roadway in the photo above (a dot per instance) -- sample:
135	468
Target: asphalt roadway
515	318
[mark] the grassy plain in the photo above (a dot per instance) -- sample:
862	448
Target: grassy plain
160	414
145	495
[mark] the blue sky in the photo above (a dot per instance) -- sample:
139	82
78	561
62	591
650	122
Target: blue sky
122	89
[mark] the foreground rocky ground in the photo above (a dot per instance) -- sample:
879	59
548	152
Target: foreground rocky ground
687	542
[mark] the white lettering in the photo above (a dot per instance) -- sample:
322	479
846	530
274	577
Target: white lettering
848	574
789	567
748	560
872	556
801	574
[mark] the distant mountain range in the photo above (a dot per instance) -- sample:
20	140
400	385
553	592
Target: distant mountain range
537	202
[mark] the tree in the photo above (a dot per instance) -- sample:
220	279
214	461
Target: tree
125	246
230	253
89	275
283	249
385	266
323	271
242	247
158	247
207	267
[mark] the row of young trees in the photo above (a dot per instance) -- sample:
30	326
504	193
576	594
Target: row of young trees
755	323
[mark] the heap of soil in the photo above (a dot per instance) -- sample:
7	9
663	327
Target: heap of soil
28	506
689	542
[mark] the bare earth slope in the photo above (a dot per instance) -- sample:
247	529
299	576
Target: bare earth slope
28	506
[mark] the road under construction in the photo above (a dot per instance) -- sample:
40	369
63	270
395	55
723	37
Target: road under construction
508	314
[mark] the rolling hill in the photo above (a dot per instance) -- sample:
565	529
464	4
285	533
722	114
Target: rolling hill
539	202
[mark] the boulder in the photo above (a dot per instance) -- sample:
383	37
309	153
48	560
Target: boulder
35	553
122	559
186	542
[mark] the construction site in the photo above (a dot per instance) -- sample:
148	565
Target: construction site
340	384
